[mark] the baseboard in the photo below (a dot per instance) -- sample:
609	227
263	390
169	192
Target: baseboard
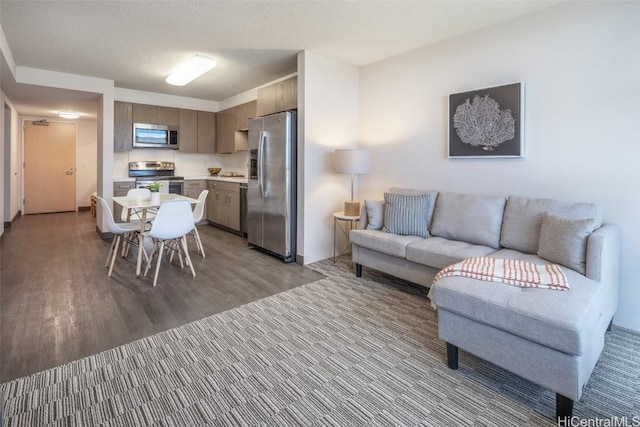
299	259
7	224
84	208
103	236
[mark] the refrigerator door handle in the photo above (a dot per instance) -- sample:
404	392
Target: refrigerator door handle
261	168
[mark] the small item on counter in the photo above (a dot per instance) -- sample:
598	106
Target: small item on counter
214	171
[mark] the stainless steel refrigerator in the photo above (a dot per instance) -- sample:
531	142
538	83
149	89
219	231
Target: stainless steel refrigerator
271	193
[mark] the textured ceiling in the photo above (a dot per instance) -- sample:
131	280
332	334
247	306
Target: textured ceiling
138	43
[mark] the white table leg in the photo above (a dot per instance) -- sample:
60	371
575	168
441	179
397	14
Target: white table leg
141	242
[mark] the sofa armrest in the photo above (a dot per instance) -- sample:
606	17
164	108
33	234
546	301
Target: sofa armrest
603	255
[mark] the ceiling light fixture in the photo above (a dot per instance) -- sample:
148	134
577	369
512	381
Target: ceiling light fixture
68	114
190	70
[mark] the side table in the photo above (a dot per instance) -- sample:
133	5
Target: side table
345	223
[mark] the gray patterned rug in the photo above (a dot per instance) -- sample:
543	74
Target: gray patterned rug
341	351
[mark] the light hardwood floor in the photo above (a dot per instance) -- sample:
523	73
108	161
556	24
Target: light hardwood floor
57	303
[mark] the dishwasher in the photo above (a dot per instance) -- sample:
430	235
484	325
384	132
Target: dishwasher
243	209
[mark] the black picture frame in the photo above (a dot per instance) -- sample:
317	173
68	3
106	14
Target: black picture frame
508	97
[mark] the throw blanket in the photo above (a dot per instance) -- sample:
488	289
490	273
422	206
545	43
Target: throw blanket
509	271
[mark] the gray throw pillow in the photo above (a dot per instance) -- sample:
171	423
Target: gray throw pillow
375	212
407	215
564	241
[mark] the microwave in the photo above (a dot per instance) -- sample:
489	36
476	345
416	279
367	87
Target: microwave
155	136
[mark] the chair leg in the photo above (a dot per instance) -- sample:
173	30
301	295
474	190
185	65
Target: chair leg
186	254
113	243
155	277
115	252
149	258
198	241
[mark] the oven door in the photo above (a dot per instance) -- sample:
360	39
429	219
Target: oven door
175	187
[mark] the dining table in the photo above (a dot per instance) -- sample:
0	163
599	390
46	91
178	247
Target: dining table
142	205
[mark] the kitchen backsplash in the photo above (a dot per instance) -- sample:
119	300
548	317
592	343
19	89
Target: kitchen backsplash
187	164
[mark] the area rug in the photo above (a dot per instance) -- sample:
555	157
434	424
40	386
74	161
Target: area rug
342	351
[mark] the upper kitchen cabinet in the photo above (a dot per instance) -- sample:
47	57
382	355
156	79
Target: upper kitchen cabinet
287	94
168	116
156	115
197	132
188	132
206	132
225	130
122	126
243	113
232	128
280	96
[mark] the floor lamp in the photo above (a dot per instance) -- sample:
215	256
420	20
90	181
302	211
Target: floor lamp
353	162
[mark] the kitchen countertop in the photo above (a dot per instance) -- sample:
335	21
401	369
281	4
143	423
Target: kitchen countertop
239	180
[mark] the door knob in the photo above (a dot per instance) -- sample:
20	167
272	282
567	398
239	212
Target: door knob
69	171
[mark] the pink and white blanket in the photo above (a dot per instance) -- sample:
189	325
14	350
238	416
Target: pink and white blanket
509	271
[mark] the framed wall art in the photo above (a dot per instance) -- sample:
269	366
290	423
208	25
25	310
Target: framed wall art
487	122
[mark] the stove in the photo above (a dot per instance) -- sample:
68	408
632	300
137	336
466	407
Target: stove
147	172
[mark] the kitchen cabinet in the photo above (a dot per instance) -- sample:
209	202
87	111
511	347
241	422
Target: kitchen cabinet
122	126
193	187
280	96
243	113
223	204
225	131
206	132
287	94
233	126
143	113
168	116
188	133
156	115
121	188
197	131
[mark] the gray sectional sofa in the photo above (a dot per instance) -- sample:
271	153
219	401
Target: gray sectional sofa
552	338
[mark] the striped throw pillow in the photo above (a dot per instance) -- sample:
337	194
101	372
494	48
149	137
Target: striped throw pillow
407	215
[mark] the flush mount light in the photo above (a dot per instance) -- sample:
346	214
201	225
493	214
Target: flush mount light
68	114
190	70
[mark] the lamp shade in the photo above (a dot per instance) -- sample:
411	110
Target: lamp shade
351	161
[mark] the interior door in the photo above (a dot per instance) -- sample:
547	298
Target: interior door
49	167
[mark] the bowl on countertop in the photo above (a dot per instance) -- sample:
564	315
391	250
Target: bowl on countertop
214	171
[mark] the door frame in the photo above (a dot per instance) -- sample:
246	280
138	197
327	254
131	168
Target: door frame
24	119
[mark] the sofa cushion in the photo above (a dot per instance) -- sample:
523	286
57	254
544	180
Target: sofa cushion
407	215
375	210
564	241
387	243
416	192
563	320
523	219
439	252
468	218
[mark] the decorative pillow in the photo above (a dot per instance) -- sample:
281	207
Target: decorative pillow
374	213
564	241
407	215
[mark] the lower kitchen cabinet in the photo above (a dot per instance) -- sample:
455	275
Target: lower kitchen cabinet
121	188
193	187
223	204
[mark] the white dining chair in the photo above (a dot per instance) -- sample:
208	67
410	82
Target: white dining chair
170	228
127	232
198	214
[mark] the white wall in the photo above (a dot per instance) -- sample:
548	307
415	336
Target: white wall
86	162
328	119
11	163
581	69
